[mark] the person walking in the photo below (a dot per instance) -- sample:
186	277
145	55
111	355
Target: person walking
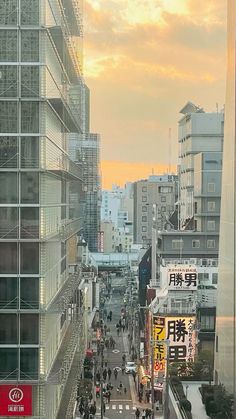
123	369
125	390
104	374
137	413
108	396
115	373
109	372
143	414
123	357
120	385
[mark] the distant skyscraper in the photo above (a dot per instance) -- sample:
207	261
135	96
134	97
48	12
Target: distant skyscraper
225	355
39	305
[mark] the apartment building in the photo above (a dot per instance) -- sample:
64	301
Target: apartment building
41	308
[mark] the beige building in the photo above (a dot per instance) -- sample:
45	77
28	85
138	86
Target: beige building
157	193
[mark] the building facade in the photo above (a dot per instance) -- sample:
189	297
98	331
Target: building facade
198	132
225	349
159	193
41	308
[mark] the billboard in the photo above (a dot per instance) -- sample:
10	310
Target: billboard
15	400
182	338
159	350
182	277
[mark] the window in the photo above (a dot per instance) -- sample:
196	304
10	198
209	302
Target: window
211	244
211	187
8	152
29	363
177	244
196	244
29	222
211	225
195	207
29	117
8	329
8	293
144	199
30	46
163	199
8	44
214	278
8	363
165	189
29	293
211	206
8	116
144	218
144	208
8	259
29	12
144	229
207	322
8	188
203	276
8	81
163	209
9	222
29	258
29	81
8	15
29	329
144	189
29	188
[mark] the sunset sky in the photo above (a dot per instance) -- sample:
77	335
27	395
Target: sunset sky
144	59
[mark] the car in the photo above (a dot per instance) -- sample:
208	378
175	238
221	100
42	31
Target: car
130	367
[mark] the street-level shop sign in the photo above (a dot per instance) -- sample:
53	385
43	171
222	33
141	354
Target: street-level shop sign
182	277
15	400
159	351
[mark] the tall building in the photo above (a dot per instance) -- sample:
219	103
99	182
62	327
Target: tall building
225	355
198	132
40	307
159	192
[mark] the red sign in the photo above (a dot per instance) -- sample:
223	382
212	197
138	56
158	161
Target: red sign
15	400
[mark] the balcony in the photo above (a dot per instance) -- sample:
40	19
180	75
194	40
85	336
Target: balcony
65	294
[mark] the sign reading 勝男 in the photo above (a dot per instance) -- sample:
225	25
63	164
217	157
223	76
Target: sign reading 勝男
15	400
182	277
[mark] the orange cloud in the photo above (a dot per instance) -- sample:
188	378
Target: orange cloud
120	172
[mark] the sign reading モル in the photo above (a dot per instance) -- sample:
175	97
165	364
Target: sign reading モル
182	277
15	400
182	337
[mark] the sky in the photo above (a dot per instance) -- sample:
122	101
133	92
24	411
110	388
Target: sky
143	60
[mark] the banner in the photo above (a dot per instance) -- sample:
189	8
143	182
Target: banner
15	400
182	277
159	351
182	337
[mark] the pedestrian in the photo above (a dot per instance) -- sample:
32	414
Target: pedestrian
120	385
134	375
108	396
123	327
105	363
115	373
81	409
137	413
98	376
104	374
104	408
147	396
118	331
123	357
140	397
109	372
125	390
110	314
123	370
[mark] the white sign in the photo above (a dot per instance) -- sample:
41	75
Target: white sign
182	337
182	277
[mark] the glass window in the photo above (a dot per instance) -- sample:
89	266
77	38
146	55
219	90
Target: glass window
8	363
8	329
8	259
8	12
165	189
29	117
177	244
195	243
29	263
30	46
8	81
30	188
29	363
8	116
8	152
29	81
8	223
29	12
144	188
8	293
163	199
29	223
29	152
29	328
144	199
29	293
144	208
211	244
8	44
207	322
163	209
144	229
211	225
211	206
214	278
144	218
8	188
211	187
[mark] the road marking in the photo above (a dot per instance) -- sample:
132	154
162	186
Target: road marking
127	407
134	408
113	406
120	407
115	351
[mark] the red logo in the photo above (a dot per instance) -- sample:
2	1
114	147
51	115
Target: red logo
16	395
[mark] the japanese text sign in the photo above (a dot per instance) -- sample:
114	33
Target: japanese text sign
182	337
182	277
159	347
15	400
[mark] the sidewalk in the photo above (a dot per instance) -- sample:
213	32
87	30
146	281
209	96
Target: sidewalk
194	396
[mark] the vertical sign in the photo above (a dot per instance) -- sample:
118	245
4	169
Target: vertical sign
182	336
159	348
15	400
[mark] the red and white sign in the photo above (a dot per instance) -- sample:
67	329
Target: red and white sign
15	400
